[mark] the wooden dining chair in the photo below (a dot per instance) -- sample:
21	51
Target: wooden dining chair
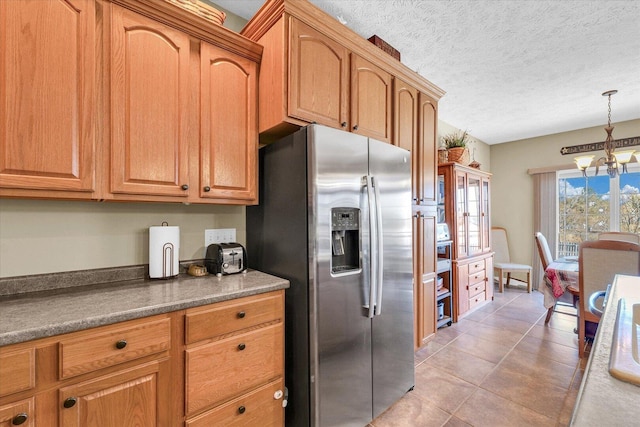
545	258
620	236
502	260
600	261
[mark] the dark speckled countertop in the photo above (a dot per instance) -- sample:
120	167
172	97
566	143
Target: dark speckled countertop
44	313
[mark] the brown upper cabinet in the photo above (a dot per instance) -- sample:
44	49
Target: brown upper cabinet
47	97
316	70
133	100
149	82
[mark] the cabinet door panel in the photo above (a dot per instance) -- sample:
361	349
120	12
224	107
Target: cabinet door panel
13	413
428	150
371	102
461	214
149	99
135	397
229	146
405	128
474	224
318	77
47	96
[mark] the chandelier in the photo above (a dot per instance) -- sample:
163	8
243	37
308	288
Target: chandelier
614	160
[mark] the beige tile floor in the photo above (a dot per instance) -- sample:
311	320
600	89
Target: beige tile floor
498	366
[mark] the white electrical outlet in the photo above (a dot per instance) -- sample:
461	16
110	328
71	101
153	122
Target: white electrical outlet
219	235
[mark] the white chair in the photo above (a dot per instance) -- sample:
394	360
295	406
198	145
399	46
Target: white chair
502	261
600	261
620	236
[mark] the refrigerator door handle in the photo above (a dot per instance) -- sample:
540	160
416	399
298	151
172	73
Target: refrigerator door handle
373	242
379	248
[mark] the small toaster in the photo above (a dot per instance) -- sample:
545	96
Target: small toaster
226	258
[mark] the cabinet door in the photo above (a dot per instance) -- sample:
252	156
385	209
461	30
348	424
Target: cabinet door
18	413
462	289
318	77
428	151
229	126
474	219
417	278
371	102
405	127
461	214
47	95
486	215
429	322
149	99
135	397
488	262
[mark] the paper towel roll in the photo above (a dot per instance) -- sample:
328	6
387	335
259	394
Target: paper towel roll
164	251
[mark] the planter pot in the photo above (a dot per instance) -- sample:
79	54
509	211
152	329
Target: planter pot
458	155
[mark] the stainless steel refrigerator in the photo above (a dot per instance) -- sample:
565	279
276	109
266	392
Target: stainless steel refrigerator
335	219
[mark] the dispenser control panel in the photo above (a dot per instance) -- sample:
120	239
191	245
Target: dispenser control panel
345	241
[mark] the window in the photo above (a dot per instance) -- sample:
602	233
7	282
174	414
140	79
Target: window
588	206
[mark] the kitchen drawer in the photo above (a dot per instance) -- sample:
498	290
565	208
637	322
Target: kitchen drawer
476	266
262	407
476	277
475	289
17	369
18	413
232	316
473	302
109	345
224	369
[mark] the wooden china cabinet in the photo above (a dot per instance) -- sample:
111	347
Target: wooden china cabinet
465	206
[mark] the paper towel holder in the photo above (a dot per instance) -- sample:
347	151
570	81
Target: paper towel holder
163	251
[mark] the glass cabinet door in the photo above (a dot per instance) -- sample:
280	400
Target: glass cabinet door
474	219
461	215
486	216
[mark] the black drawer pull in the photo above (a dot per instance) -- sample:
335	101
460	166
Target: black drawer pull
121	344
185	187
242	409
70	402
241	314
241	346
207	189
19	419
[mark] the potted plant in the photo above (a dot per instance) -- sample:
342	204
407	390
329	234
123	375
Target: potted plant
456	145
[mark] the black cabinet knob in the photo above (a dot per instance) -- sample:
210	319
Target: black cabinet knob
241	346
343	124
355	127
121	344
69	402
19	419
241	314
207	189
185	187
242	409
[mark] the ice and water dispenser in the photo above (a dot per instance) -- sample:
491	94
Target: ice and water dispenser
345	240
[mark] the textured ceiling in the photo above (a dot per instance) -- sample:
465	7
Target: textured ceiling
512	69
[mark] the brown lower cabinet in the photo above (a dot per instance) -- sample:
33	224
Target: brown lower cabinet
218	364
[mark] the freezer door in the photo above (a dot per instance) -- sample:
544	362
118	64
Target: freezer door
340	329
392	327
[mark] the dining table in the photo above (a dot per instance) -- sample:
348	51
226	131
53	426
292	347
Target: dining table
560	275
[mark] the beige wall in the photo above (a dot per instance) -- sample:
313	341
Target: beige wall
512	186
482	153
52	236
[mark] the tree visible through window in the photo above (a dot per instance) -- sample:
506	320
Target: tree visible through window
593	204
